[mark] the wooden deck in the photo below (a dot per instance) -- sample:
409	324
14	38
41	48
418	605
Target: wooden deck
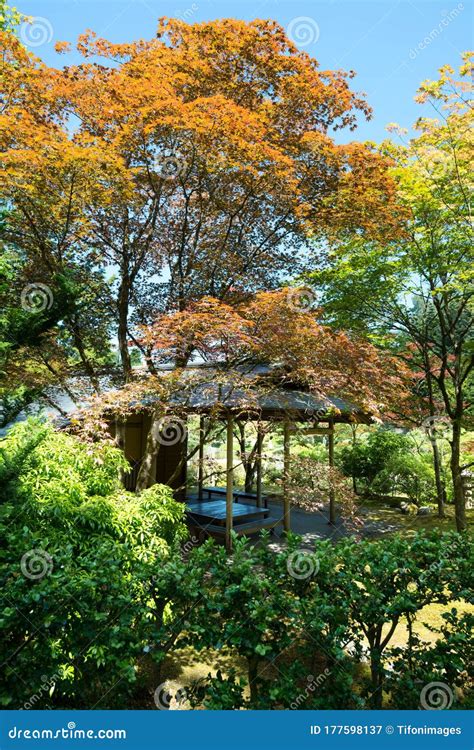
214	511
210	516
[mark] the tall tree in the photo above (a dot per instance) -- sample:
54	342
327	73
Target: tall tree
419	290
193	164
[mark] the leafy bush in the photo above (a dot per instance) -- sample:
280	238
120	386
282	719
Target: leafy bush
316	628
95	578
448	662
388	462
77	561
411	475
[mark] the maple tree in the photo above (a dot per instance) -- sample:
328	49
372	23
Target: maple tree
267	329
197	163
416	295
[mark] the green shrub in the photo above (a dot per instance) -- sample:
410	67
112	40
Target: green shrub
94	577
388	462
438	675
77	559
316	628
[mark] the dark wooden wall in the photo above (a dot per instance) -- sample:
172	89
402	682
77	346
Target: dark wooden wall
167	459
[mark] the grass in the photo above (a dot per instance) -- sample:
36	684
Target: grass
410	524
428	617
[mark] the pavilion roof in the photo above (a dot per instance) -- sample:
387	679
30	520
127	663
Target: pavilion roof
266	396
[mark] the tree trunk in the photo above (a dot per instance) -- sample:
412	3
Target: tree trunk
249	476
78	343
440	490
354	444
123	305
248	459
120	432
332	494
145	478
376	674
253	676
458	486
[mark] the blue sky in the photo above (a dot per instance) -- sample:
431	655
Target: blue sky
392	45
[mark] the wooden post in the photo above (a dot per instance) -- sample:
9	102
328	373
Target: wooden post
229	484
120	437
332	496
201	458
259	464
286	475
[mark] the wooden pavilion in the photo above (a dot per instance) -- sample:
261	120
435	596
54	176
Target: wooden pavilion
266	399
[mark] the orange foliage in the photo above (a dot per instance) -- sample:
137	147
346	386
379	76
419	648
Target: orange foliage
204	157
270	329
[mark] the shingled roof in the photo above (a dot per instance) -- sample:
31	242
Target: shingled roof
268	396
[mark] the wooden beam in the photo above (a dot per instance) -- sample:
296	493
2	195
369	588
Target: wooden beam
286	476
259	464
332	497
229	483
201	457
311	430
